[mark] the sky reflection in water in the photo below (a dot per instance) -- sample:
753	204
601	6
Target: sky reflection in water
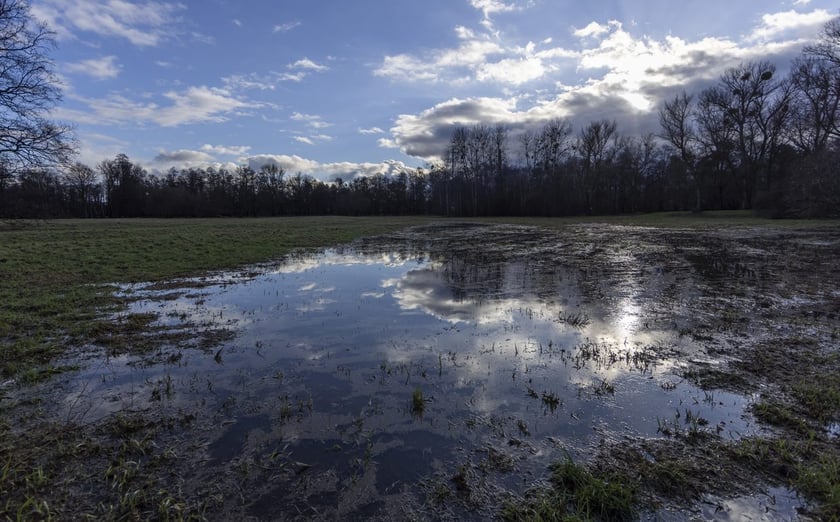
329	348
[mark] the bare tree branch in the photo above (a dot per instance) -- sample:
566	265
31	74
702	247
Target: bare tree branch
28	92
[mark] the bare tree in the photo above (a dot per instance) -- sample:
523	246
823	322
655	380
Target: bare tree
676	120
553	145
815	107
593	147
750	108
82	181
28	91
828	47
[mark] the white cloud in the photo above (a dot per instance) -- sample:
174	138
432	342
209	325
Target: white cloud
250	81
469	56
199	104
630	76
326	171
237	22
594	29
284	28
299	116
312	139
289	77
307	64
774	25
269	80
312	120
262	82
464	33
194	105
512	70
477	58
801	2
489	7
141	23
372	130
225	150
100	68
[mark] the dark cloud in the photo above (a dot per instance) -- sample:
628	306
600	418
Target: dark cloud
183	156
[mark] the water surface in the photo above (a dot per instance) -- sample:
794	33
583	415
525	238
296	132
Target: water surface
525	349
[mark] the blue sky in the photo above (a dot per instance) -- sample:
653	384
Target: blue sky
355	88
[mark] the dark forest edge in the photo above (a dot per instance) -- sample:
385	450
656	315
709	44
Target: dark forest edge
751	141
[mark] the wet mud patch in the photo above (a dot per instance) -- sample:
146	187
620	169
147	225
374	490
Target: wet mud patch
437	372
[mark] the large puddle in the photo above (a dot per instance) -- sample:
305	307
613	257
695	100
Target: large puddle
523	352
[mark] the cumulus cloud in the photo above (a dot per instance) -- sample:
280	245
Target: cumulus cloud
326	171
790	23
304	139
512	70
141	23
478	58
630	75
292	164
594	29
100	68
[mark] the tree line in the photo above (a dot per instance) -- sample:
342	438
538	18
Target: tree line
753	140
121	188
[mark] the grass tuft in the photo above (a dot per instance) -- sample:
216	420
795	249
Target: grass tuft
576	494
418	404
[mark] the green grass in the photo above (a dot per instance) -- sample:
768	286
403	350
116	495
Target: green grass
686	219
576	494
418	404
820	397
55	275
820	480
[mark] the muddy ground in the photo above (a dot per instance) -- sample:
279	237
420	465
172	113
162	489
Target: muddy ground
697	368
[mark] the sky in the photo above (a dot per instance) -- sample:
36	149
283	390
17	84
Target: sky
342	89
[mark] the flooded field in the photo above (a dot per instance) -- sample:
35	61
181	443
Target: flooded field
438	372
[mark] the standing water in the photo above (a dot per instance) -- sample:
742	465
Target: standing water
451	362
